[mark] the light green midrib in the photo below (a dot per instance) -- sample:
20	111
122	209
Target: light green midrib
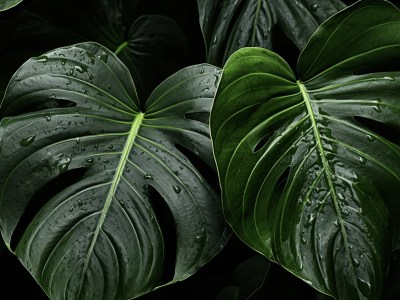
325	164
117	177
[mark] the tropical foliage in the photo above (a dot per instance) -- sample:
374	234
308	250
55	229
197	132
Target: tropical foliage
217	150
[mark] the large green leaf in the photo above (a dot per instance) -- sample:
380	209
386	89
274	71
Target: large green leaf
7	4
99	236
230	25
151	46
309	168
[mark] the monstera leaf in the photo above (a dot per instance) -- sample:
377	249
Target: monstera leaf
151	46
123	170
7	4
230	25
309	167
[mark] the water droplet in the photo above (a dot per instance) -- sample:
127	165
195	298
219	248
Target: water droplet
314	7
106	161
356	262
340	196
110	146
89	160
177	189
370	138
80	203
63	61
53	95
388	78
364	286
317	96
27	141
362	160
103	57
202	71
48	118
303	240
215	40
148	176
63	168
377	108
42	58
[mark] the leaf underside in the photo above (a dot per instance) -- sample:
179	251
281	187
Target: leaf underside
310	171
75	109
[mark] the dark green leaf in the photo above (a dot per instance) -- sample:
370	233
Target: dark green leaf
7	4
309	168
151	50
247	278
230	25
99	237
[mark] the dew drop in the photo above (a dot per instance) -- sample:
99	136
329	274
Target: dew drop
356	262
377	108
42	58
314	7
202	71
48	118
63	168
89	160
364	286
215	40
27	141
103	57
177	189
388	78
110	147
370	138
148	176
317	96
362	160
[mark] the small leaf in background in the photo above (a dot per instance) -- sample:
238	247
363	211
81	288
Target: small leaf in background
7	4
247	278
230	25
309	167
112	200
151	46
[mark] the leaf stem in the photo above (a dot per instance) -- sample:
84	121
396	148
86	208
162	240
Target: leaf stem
121	47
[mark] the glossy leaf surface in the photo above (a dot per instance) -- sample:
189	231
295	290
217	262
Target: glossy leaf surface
309	167
7	4
230	25
74	112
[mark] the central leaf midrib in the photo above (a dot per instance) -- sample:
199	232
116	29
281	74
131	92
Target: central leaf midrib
117	177
324	160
